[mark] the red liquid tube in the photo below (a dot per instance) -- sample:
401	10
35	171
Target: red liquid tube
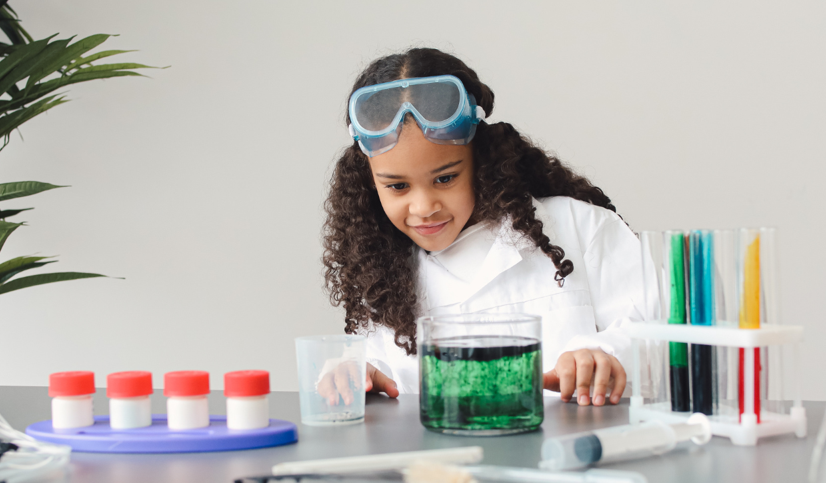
753	255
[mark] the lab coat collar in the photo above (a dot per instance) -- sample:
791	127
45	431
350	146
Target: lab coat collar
477	256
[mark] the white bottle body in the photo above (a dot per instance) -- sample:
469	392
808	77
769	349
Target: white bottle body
130	412
252	412
72	412
187	412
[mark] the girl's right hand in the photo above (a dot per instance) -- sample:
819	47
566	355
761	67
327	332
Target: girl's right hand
378	382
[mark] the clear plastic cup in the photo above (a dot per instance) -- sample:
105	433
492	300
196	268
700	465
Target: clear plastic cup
331	376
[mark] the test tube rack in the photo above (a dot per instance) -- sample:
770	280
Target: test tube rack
745	429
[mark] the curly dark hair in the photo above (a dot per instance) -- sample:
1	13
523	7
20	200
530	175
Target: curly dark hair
367	260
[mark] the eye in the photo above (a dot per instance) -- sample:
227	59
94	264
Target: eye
397	186
445	179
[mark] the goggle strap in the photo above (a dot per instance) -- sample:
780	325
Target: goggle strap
480	114
352	132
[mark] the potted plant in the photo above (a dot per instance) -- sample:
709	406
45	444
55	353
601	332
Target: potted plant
31	73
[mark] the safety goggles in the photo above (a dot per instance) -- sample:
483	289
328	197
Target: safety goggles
441	106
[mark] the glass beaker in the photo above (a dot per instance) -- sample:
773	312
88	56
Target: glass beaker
480	374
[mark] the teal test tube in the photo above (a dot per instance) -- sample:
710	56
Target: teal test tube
701	289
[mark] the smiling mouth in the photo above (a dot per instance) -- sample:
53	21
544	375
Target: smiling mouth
430	229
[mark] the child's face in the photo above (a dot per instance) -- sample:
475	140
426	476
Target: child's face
426	189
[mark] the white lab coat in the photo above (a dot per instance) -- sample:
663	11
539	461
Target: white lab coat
491	268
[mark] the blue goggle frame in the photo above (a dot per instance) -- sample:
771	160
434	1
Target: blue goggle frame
446	113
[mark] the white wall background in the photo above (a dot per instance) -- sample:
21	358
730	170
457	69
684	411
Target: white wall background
203	186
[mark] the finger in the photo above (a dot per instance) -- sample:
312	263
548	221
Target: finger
550	380
602	376
368	377
566	370
353	374
342	380
327	389
620	380
584	372
382	383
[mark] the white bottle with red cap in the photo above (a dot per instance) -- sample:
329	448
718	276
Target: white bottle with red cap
71	394
186	404
129	405
248	406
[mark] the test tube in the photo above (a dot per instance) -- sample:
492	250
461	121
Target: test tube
619	443
677	259
726	306
771	357
701	290
751	299
664	264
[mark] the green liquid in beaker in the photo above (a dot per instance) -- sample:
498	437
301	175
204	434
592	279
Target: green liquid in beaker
482	384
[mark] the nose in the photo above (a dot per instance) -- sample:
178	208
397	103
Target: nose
425	204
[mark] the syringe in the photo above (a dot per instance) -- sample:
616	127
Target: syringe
622	443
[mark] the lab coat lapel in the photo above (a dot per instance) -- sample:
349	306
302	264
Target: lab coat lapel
461	270
505	252
503	255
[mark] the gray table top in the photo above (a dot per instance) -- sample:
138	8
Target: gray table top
393	425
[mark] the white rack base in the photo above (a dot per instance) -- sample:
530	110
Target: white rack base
745	433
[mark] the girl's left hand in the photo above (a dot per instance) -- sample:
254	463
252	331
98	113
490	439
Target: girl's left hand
578	369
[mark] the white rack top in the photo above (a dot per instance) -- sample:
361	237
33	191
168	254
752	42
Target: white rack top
715	335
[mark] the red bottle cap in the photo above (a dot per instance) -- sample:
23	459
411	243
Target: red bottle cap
73	383
246	383
185	383
129	384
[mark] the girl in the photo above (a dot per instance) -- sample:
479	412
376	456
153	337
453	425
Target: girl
434	211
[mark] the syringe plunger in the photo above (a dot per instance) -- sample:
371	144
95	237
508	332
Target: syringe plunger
622	443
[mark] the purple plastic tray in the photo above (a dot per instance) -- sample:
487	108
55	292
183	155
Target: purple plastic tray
158	438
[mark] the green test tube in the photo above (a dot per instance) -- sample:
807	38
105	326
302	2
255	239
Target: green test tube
678	351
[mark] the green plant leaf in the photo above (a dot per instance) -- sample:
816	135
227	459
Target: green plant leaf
4	277
18	262
11	9
10	25
65	56
105	67
33	280
32	63
20	54
6	229
13	91
7	213
21	98
80	76
19	189
30	95
10	16
6	49
99	55
12	120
